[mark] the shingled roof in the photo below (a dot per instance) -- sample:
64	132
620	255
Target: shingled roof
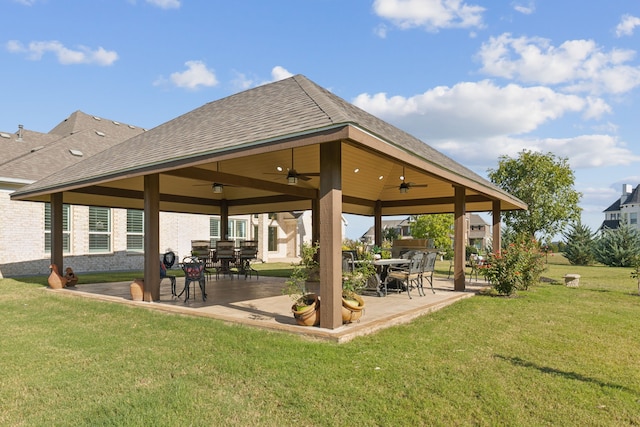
36	155
276	117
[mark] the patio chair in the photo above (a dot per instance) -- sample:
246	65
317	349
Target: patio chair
408	275
248	252
193	272
226	256
428	265
164	275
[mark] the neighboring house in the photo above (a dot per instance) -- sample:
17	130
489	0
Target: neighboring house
625	210
478	232
102	238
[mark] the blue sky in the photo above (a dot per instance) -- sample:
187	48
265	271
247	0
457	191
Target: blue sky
473	79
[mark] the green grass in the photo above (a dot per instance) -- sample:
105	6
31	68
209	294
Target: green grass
549	356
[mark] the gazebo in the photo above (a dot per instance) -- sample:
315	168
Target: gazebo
285	146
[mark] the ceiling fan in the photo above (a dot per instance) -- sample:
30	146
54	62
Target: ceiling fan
405	186
292	175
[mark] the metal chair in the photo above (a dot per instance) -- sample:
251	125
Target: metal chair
248	252
168	260
226	256
193	272
408	275
428	265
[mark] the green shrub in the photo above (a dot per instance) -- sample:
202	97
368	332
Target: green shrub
517	267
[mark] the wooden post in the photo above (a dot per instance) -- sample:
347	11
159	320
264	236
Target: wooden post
377	224
459	243
330	235
496	243
151	238
224	219
57	232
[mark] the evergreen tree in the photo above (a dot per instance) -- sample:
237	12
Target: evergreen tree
579	245
618	247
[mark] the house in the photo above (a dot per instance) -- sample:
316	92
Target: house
478	232
624	210
101	238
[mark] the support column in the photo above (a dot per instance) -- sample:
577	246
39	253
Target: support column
315	221
459	243
331	234
224	219
496	243
377	224
57	232
151	238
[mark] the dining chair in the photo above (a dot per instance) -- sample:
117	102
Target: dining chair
193	269
408	275
428	265
248	252
226	256
165	264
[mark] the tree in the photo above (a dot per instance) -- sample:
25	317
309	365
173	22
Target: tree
434	226
545	183
618	247
390	234
579	245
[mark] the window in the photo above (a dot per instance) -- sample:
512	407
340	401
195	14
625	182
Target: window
237	230
214	230
633	218
135	230
99	229
66	229
273	239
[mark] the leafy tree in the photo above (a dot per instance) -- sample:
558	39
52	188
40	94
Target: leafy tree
545	183
618	247
579	244
390	234
434	226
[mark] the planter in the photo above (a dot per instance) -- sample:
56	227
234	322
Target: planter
137	289
309	315
352	308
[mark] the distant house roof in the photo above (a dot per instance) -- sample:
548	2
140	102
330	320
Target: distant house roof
39	155
239	141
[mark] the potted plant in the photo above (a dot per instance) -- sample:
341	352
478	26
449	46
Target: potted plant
306	304
353	282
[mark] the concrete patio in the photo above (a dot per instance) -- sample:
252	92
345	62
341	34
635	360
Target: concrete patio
260	303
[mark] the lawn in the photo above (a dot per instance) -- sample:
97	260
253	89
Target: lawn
549	356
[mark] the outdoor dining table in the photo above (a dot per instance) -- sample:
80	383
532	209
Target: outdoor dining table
381	272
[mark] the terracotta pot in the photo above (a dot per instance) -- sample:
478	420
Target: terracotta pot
137	289
308	315
352	308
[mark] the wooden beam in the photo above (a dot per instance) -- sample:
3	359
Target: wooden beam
331	235
151	238
243	181
459	244
475	198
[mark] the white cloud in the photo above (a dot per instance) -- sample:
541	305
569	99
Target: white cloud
280	73
526	8
429	14
627	25
83	55
196	75
578	65
472	109
165	4
26	2
476	122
